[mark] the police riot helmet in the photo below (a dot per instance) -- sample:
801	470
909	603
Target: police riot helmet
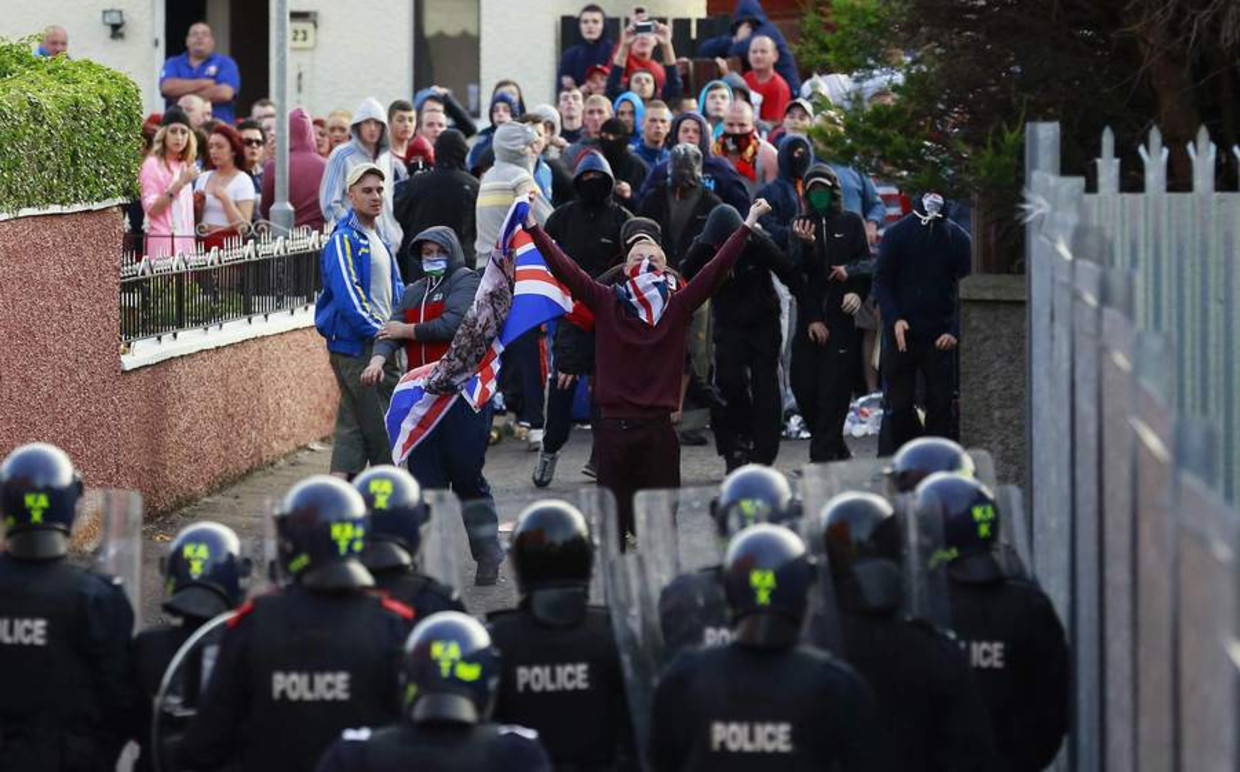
970	523
203	571
753	494
862	539
321	528
767	575
553	557
397	516
450	670
918	459
39	493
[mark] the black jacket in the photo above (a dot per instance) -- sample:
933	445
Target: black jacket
446	195
747	298
655	206
590	234
918	274
839	239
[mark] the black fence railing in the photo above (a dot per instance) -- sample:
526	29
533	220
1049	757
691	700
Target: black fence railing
241	279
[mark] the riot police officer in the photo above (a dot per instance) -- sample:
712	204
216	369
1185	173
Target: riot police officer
1007	625
764	701
931	707
202	573
450	675
561	666
298	666
398	516
67	701
692	609
918	459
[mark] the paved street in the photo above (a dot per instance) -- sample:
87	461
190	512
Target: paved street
509	466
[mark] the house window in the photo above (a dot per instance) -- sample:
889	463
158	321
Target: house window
445	48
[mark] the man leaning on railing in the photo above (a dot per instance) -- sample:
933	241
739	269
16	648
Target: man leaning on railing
361	284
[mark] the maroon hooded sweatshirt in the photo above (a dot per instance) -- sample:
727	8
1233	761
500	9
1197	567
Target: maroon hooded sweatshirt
306	171
638	367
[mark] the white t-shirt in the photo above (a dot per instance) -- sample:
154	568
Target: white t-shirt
240	188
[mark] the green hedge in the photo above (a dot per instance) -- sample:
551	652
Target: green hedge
70	130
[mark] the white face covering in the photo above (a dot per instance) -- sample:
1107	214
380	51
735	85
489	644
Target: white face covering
933	204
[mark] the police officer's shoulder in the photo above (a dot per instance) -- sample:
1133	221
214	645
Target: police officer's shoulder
930	631
444	592
503	615
520	749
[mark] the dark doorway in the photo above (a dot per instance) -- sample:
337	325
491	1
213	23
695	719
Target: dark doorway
445	48
248	30
249	33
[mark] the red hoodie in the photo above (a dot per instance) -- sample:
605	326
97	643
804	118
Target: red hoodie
306	171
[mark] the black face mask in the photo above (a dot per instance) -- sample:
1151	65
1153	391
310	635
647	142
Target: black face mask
595	190
799	164
614	150
686	166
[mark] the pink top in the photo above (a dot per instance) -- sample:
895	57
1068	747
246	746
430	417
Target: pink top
172	230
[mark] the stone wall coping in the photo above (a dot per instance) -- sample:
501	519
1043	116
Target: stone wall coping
93	206
149	351
993	288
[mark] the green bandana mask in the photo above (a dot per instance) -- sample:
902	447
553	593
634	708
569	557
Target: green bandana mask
820	199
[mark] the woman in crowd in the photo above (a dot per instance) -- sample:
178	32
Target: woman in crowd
165	179
322	143
224	195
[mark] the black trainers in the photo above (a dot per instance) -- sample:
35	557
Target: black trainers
544	470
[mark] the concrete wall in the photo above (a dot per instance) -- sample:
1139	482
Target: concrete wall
993	379
513	35
175	430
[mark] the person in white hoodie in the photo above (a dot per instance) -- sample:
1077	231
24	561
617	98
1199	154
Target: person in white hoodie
369	143
510	179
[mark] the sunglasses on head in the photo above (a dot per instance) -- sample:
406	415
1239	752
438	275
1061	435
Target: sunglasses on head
253	142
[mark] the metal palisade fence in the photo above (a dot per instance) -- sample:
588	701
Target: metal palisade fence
1133	433
234	280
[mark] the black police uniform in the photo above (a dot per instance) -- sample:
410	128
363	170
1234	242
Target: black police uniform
445	747
693	611
295	669
1019	653
421	593
67	701
154	649
739	708
929	702
566	683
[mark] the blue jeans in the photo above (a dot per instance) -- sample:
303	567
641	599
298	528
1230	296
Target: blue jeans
452	459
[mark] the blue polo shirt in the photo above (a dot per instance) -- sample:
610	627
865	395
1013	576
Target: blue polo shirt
218	67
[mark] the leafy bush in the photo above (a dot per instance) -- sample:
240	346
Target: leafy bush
70	130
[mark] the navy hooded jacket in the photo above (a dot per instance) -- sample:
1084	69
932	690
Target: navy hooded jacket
723	46
717	173
918	274
781	193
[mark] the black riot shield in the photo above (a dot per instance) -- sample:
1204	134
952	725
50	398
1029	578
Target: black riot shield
184	682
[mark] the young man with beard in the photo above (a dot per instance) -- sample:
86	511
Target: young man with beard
588	228
753	157
597	111
831	247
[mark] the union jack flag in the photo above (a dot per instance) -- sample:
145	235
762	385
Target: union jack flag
537	298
